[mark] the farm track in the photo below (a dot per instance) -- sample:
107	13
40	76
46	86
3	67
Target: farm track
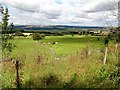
51	50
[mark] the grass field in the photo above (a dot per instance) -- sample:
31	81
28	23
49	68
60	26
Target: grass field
81	63
67	44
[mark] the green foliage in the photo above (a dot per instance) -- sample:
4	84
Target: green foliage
6	45
108	78
71	82
117	37
106	41
115	34
18	33
5	20
103	73
37	36
11	27
114	76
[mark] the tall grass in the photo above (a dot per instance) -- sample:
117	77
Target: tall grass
81	69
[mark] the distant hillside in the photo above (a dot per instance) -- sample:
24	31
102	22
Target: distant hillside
57	27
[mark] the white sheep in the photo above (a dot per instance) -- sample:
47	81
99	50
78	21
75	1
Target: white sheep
43	43
48	43
57	58
56	42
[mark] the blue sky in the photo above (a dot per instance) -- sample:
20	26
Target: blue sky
62	12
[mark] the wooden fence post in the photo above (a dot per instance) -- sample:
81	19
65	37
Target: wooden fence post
17	74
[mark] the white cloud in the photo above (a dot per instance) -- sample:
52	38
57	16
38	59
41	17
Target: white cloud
72	12
103	6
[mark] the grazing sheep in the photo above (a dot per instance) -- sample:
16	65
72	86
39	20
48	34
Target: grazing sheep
56	42
57	58
43	43
48	43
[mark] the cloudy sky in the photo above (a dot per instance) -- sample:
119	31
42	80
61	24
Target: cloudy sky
62	12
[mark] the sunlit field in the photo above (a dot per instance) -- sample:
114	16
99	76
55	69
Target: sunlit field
61	61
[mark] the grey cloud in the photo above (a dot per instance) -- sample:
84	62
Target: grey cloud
24	6
51	14
83	15
103	6
28	9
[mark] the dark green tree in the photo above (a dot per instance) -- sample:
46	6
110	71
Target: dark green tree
37	36
18	33
5	20
11	27
7	47
117	35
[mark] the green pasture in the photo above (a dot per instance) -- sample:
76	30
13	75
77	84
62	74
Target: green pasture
65	46
29	48
76	68
68	45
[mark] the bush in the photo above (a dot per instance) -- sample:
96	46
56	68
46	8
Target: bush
106	41
18	33
37	36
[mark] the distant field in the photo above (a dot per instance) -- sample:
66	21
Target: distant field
67	44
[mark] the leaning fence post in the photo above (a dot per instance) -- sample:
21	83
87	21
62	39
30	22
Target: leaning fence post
17	74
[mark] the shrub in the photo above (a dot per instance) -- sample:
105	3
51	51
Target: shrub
106	41
37	36
18	33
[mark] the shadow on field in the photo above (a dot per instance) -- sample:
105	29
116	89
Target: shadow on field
105	80
50	81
